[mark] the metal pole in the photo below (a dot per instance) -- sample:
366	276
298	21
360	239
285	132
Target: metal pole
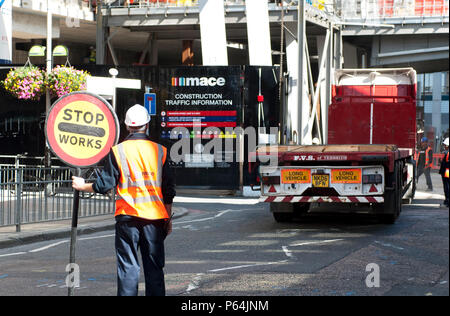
49	49
329	55
281	80
49	65
301	69
19	177
73	234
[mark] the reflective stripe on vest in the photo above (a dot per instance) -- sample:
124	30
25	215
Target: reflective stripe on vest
139	188
447	171
427	158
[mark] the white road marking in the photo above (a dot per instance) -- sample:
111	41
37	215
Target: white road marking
49	246
53	245
389	245
97	237
110	235
13	254
248	266
195	283
204	219
287	251
315	242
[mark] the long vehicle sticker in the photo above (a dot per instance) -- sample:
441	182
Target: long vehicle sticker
346	176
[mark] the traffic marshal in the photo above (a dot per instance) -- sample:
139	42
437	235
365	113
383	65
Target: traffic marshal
81	128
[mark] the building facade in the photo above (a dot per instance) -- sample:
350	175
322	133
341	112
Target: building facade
364	33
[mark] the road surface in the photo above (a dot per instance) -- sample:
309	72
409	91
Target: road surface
232	246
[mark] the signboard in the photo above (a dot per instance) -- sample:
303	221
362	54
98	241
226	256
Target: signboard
346	176
198	99
81	128
293	176
200	108
150	103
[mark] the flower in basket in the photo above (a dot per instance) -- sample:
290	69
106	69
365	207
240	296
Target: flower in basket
63	80
26	83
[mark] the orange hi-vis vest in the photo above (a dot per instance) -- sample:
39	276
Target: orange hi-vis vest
139	189
428	164
447	171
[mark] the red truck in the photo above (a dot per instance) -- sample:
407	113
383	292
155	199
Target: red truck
369	156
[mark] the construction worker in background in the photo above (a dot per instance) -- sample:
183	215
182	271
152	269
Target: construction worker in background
92	55
425	162
444	172
138	168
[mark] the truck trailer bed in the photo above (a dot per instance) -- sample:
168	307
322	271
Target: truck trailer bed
386	154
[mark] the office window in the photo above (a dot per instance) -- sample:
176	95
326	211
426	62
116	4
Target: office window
445	83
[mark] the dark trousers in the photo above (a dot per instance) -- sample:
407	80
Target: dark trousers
427	173
446	183
148	236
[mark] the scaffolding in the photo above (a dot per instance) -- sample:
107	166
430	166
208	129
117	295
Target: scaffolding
312	32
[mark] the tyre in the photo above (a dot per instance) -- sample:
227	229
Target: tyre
282	212
283	217
390	210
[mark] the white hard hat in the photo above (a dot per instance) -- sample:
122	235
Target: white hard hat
446	141
315	141
137	115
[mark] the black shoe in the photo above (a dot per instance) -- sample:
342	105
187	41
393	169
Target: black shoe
429	189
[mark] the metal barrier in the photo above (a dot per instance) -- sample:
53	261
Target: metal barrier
38	194
167	3
385	9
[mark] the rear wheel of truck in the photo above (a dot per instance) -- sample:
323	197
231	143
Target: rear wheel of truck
390	210
282	212
285	212
283	217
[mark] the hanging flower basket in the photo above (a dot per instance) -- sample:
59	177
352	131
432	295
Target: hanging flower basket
26	83
63	80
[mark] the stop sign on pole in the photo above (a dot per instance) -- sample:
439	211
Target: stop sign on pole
81	128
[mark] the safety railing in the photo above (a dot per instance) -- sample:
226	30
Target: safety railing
385	9
320	4
153	3
68	8
39	194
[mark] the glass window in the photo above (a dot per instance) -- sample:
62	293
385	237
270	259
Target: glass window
428	84
428	106
444	107
444	122
445	83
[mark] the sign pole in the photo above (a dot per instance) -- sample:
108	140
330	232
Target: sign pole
73	237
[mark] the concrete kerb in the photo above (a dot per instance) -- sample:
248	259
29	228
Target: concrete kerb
13	239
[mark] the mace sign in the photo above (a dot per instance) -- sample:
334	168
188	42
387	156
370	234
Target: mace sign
81	128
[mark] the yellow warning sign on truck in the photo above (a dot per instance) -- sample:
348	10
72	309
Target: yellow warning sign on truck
291	176
346	176
81	128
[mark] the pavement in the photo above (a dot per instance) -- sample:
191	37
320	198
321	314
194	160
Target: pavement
61	229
